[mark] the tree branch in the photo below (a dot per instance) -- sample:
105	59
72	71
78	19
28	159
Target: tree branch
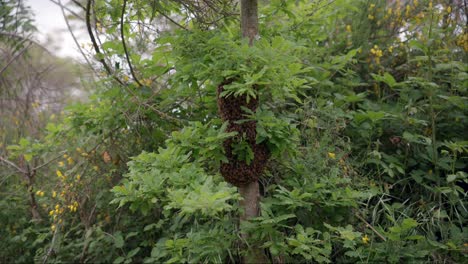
73	35
14	35
125	45
59	3
95	45
48	162
12	165
370	226
14	58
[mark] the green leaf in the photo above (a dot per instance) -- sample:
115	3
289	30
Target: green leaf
451	177
118	240
28	157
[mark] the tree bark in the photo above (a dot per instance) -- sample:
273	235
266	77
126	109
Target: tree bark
250	193
249	19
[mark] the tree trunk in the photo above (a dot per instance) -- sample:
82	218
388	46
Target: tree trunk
249	19
250	193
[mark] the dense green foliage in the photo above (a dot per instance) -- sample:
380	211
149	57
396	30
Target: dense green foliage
363	106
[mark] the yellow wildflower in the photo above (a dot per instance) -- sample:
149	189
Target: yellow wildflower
370	17
70	160
407	12
98	26
146	82
449	9
59	174
331	155
51	212
348	28
54	194
52	228
61	164
365	239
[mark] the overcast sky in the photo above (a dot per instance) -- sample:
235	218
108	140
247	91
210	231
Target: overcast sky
51	25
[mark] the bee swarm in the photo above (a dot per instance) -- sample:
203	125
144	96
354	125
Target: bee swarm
235	171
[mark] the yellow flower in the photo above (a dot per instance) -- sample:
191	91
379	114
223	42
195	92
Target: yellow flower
61	164
370	17
331	155
52	228
54	194
407	12
146	82
59	174
65	156
365	239
98	26
449	9
78	177
348	28
70	160
51	212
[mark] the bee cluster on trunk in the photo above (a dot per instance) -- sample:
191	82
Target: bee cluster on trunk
235	171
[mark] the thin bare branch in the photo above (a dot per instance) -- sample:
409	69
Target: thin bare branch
15	57
371	227
48	162
14	35
122	35
12	165
73	35
95	45
59	3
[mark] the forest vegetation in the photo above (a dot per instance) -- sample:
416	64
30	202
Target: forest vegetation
224	131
